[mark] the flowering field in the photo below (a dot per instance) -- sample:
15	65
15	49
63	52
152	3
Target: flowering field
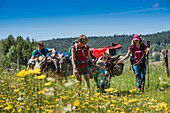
25	92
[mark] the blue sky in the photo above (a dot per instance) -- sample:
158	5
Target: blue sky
47	19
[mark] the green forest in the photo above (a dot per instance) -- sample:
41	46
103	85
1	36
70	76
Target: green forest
15	51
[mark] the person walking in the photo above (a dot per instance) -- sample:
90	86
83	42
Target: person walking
99	76
80	58
138	51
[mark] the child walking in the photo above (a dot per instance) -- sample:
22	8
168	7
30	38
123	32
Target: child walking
99	76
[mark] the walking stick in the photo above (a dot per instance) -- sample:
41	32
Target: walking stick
148	45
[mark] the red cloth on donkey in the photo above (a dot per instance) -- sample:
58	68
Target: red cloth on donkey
97	52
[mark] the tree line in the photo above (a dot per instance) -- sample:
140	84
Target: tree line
15	52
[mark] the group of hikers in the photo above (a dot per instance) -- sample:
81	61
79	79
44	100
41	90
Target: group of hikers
81	57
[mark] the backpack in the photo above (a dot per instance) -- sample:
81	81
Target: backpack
76	49
133	50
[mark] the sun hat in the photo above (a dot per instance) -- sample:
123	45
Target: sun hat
41	43
136	37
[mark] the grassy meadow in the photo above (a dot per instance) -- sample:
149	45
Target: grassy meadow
27	93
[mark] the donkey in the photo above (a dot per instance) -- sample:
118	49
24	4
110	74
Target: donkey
56	68
112	67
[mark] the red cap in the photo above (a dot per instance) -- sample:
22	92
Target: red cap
136	37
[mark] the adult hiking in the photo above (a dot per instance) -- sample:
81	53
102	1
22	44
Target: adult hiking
40	53
80	57
138	51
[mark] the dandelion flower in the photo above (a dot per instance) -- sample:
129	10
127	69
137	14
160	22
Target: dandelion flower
163	105
109	90
41	92
41	77
22	73
7	108
35	71
112	105
97	94
47	84
76	103
132	100
16	90
83	107
19	110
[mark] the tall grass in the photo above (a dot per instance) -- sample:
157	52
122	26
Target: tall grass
27	92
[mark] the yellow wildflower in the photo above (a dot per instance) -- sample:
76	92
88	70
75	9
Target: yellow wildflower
64	97
125	99
118	109
132	90
108	111
16	90
12	86
41	92
152	100
163	105
132	100
105	97
1	106
22	73
47	84
109	90
7	108
19	110
27	108
97	94
83	107
92	99
41	77
115	91
144	105
112	105
76	103
35	71
137	109
49	111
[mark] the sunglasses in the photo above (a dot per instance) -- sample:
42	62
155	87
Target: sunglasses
84	40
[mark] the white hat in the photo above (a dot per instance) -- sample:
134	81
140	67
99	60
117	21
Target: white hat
30	61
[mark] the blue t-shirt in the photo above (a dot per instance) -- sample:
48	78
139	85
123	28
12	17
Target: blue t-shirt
42	52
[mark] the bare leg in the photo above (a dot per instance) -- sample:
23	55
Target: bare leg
78	78
86	77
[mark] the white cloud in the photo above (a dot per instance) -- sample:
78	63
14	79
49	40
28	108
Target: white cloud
156	5
140	11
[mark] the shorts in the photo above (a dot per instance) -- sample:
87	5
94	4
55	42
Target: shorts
83	70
